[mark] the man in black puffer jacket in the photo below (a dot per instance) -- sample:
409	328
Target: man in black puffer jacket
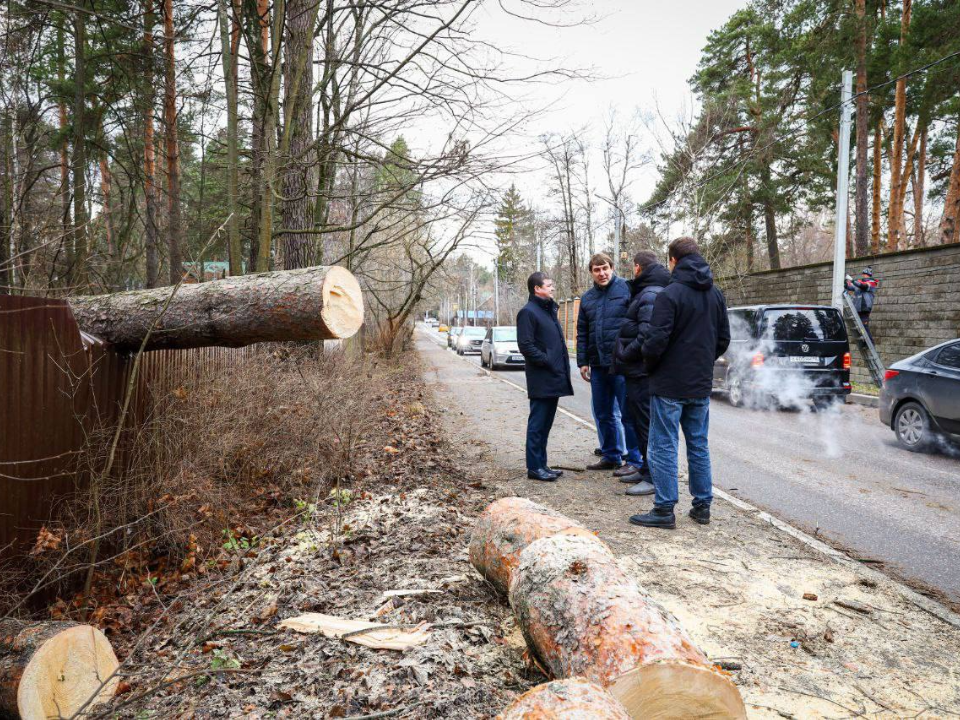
602	309
688	332
650	277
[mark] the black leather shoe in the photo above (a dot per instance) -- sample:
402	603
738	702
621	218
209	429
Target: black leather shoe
604	464
643	487
598	452
542	474
625	469
555	473
700	514
658	517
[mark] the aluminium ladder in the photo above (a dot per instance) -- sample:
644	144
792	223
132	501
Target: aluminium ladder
867	349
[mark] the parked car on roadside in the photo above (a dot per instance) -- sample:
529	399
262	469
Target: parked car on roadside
452	337
785	355
499	348
470	340
920	397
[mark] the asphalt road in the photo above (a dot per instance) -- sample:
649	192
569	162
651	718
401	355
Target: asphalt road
839	476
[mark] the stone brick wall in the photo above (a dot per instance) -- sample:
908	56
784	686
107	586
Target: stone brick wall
917	305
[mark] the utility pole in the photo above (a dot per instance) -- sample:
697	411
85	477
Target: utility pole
496	291
843	182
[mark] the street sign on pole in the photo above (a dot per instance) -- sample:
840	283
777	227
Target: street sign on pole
843	183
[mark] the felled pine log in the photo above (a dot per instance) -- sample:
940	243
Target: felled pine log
584	617
509	525
53	669
572	699
317	303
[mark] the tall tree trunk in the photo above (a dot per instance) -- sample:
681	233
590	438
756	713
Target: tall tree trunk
861	244
298	130
149	152
78	270
174	221
228	52
265	244
259	48
876	187
951	205
770	221
109	234
919	176
66	227
6	206
897	175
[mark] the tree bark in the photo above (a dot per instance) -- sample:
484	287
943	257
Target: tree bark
106	186
573	699
506	527
258	45
77	269
52	669
149	153
318	303
585	618
298	126
773	247
919	177
64	154
174	220
951	205
228	52
877	182
6	206
897	175
862	201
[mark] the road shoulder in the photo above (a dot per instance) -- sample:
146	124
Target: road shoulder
738	585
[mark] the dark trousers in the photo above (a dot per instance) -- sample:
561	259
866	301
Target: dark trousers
865	319
638	414
542	412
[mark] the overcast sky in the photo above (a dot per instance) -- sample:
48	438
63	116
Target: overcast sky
644	52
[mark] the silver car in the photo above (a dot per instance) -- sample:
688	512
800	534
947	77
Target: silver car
452	337
469	340
920	397
500	349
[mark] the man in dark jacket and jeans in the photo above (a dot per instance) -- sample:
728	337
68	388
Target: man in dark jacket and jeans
650	277
688	332
602	310
547	366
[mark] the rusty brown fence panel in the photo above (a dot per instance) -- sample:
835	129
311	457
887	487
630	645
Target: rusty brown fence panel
57	386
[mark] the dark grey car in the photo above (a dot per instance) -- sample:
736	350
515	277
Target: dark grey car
920	397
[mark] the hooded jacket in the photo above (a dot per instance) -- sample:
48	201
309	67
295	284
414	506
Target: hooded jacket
688	332
544	350
867	288
602	310
627	355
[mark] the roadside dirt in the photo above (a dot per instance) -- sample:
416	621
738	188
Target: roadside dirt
400	524
738	585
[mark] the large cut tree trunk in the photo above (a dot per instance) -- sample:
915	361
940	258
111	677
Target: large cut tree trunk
318	303
573	699
584	617
53	669
506	527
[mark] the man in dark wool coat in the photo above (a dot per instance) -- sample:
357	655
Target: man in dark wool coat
547	366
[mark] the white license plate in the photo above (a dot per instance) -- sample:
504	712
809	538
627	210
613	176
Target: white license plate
516	358
805	359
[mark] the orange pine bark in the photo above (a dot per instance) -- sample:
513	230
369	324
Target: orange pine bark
506	528
585	618
897	174
573	699
877	180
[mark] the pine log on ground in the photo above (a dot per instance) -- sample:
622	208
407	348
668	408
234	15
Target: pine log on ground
316	303
508	526
584	617
572	699
53	669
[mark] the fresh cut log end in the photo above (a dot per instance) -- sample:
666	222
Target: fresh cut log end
54	669
583	616
507	527
672	690
571	699
342	311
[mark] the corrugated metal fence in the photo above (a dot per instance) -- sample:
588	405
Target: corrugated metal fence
57	387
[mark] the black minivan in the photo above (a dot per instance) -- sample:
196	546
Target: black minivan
785	355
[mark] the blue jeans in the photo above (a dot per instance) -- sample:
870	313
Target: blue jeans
667	416
542	413
609	398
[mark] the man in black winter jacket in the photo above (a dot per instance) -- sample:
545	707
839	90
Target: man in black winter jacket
688	332
650	277
547	366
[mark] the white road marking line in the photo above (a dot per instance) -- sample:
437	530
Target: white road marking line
841	558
